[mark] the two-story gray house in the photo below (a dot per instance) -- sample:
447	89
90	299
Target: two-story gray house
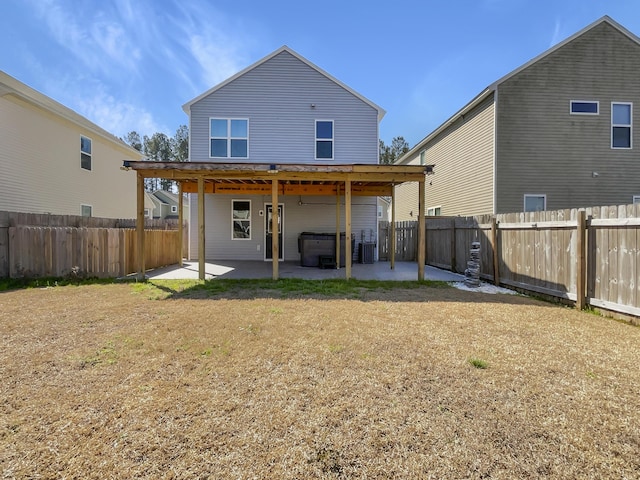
282	150
556	133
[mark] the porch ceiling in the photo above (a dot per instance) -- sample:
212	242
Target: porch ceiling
293	179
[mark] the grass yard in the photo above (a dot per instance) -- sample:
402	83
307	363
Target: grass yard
308	380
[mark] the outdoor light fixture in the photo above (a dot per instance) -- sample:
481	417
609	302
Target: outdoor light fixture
273	168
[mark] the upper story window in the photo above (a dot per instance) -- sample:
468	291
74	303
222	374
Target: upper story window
582	107
229	138
535	203
423	157
621	122
174	209
85	153
434	211
324	139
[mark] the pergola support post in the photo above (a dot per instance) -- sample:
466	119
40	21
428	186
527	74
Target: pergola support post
140	227
180	221
421	230
275	250
338	227
392	243
201	249
347	227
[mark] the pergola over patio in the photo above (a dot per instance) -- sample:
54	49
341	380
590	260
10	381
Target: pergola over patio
282	179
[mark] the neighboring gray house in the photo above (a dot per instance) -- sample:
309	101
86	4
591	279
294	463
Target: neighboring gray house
287	112
556	133
165	205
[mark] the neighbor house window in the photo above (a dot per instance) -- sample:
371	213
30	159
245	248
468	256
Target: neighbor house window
621	114
229	137
324	139
434	211
579	107
86	210
636	199
241	219
535	203
423	157
147	213
174	209
85	153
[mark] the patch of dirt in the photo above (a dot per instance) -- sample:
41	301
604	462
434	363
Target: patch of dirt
106	381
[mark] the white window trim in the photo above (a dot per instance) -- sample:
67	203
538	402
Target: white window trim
250	219
636	199
148	213
536	195
629	126
333	141
571	112
228	138
86	205
174	209
433	211
90	154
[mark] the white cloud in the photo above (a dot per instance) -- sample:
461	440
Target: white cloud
119	117
90	35
557	35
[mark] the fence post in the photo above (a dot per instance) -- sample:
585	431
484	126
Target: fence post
454	260
494	246
581	230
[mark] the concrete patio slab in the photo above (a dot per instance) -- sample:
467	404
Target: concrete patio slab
256	269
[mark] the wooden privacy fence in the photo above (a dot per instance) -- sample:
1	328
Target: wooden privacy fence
590	256
86	252
88	248
406	241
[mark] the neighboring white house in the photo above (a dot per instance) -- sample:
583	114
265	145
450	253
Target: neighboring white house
285	111
54	160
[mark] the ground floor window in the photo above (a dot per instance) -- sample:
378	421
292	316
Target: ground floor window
434	211
535	203
86	210
241	219
636	199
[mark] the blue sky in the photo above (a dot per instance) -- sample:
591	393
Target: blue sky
132	64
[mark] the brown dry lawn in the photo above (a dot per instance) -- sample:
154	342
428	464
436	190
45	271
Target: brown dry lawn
125	380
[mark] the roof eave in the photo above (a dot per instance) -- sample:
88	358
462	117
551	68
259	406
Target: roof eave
187	106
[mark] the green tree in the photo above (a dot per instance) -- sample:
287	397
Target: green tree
390	153
133	139
180	144
160	148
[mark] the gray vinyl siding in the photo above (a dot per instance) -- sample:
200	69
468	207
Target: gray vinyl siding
542	149
316	214
276	97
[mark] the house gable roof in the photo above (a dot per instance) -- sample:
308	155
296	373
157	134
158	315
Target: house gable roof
12	86
187	106
494	86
